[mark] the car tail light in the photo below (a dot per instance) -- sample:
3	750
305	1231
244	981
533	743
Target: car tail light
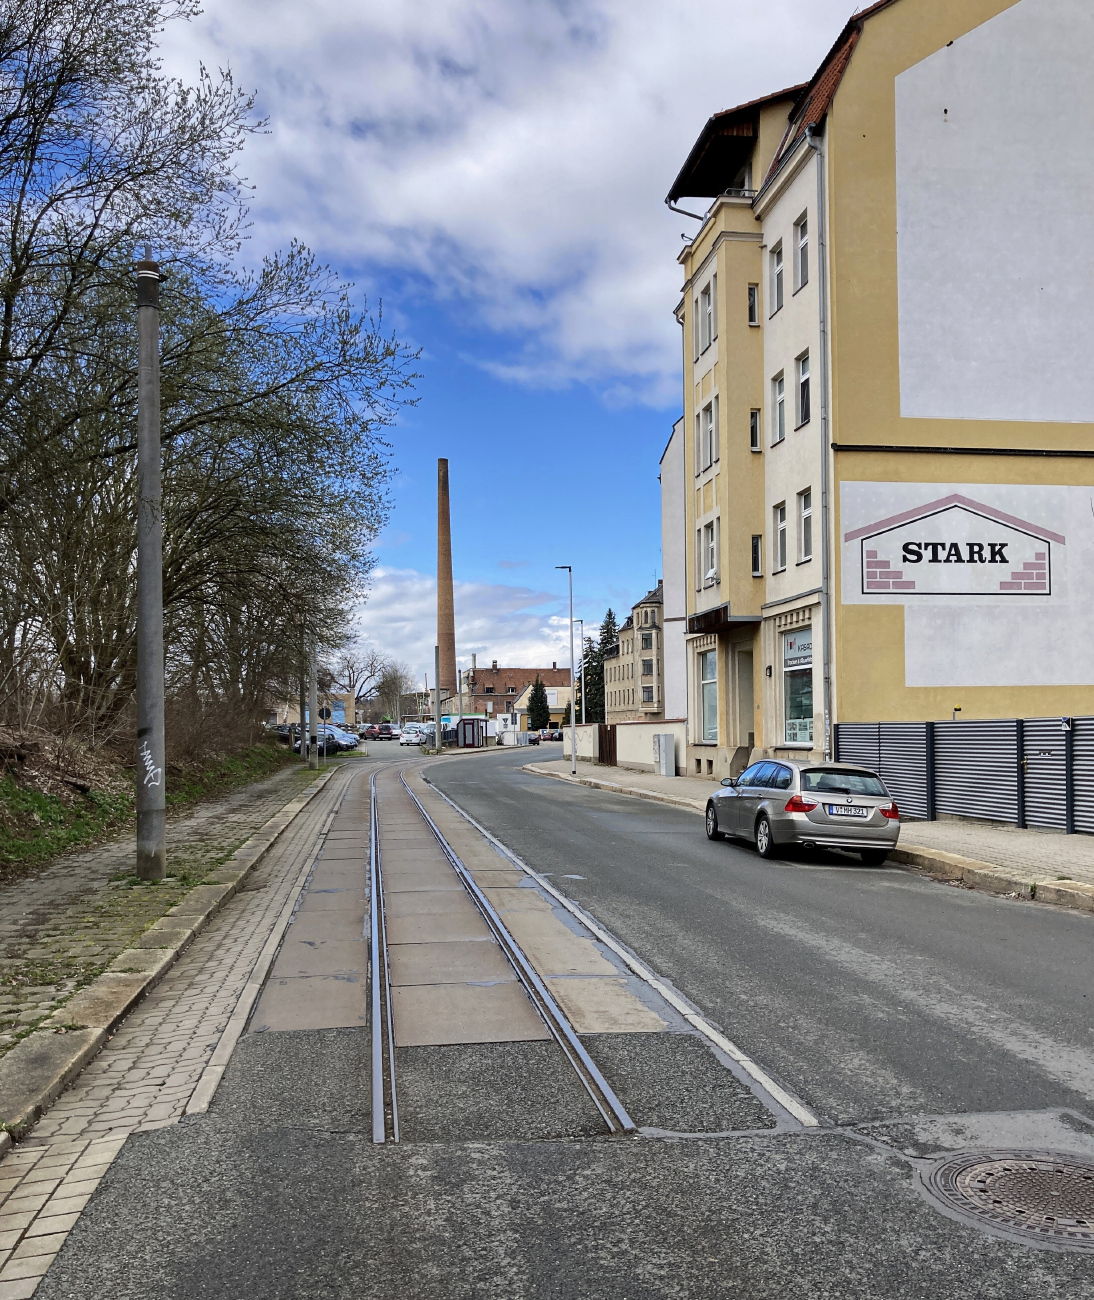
797	804
891	811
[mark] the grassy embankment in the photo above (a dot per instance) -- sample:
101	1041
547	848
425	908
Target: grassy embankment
37	826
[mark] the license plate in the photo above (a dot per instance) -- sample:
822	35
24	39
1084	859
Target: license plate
847	810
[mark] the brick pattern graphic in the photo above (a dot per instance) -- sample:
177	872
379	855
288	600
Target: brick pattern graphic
880	577
1033	576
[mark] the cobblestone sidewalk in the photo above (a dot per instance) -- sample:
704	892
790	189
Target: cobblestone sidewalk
148	1069
1036	854
60	928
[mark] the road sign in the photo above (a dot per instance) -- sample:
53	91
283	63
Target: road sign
324	714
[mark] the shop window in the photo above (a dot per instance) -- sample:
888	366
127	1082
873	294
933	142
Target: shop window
798	686
708	693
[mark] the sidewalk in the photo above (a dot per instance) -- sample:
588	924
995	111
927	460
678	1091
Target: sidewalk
999	859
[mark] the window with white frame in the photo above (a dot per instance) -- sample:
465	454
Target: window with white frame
695	329
647	640
708	693
708	435
757	555
754	304
801	251
647	667
710	553
754	430
698	442
805	525
708	314
778	408
779	536
647	694
803	389
776	278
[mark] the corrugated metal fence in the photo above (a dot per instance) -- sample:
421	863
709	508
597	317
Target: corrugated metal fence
1027	771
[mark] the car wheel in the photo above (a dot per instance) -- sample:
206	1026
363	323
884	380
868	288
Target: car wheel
765	841
713	833
873	857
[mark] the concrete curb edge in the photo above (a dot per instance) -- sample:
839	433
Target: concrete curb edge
38	1068
982	876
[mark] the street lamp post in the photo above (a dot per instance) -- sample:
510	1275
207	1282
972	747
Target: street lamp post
151	803
581	643
573	717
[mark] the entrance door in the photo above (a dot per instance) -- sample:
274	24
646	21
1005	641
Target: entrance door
607	744
746	704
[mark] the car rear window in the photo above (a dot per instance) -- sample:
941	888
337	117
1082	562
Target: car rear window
828	780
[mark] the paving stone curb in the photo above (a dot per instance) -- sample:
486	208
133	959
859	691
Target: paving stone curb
983	876
35	1072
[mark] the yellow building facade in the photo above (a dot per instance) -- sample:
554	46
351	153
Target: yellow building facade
890	433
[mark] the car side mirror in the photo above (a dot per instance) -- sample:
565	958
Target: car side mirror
729	780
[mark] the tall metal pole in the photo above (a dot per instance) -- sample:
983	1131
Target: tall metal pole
581	643
573	716
437	698
151	804
313	708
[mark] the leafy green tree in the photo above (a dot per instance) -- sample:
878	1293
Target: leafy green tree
594	652
539	711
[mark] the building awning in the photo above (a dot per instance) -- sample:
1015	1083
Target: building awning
720	619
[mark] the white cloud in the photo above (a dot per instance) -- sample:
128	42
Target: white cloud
513	156
517	626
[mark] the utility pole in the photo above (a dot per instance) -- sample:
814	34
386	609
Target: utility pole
581	643
151	804
573	718
313	708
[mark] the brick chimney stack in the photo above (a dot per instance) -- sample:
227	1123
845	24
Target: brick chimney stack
446	616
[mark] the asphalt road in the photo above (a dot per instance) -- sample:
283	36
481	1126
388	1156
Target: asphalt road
867	992
914	1018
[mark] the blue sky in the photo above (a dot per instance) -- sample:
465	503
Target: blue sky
495	171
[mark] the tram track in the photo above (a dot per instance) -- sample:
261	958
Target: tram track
385	1121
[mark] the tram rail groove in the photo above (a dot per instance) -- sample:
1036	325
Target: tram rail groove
380	981
603	1096
796	1112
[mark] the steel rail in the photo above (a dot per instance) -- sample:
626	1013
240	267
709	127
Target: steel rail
598	1088
380	980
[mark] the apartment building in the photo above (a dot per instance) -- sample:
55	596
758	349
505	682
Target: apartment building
496	690
634	667
888	417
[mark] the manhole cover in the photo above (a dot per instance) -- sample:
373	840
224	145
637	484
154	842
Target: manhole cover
1036	1197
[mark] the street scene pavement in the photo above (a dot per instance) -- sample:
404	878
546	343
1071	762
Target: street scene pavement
879	1024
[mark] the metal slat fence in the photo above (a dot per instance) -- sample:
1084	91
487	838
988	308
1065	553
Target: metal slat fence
1029	772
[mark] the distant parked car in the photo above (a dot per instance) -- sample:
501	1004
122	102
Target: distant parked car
286	733
385	732
820	805
335	740
411	734
371	732
533	738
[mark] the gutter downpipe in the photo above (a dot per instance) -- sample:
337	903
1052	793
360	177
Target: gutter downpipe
822	294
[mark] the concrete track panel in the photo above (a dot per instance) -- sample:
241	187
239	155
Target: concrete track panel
428	1014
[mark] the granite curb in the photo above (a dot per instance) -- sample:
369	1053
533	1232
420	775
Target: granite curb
952	867
37	1069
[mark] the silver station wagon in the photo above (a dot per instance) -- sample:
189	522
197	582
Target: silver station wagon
778	802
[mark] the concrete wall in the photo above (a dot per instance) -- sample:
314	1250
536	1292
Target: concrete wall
633	744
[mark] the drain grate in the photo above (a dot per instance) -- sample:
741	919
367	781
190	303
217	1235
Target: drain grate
1036	1197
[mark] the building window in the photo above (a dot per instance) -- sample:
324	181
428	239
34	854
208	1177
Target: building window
708	315
698	443
805	525
647	640
757	555
801	252
803	390
754	304
778	408
710	555
754	430
488	690
776	278
780	537
647	694
695	329
647	667
798	686
708	693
